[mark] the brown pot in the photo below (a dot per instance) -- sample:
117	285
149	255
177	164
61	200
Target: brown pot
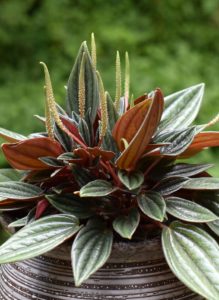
135	271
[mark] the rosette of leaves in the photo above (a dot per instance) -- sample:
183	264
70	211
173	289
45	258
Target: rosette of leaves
109	170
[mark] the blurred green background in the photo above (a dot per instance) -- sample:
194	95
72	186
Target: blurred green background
172	44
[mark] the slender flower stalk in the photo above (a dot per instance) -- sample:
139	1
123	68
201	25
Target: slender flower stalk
103	107
127	79
81	87
93	51
118	81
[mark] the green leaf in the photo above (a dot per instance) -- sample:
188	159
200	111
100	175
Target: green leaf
131	180
84	131
187	170
179	142
64	139
125	226
202	183
71	204
97	188
171	184
82	176
91	85
10	175
188	210
11	136
214	226
152	205
193	256
19	190
52	161
181	108
39	237
91	249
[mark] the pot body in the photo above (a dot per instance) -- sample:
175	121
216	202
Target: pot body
135	271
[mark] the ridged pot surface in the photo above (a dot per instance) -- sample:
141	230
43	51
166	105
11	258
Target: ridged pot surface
135	271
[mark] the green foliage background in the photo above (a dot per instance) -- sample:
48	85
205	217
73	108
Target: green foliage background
172	44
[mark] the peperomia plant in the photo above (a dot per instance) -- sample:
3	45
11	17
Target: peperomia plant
107	171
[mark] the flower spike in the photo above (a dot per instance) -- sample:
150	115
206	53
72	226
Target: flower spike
81	87
103	107
93	51
127	78
118	81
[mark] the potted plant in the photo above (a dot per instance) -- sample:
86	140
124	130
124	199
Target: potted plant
104	187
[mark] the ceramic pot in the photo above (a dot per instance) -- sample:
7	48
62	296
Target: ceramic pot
135	271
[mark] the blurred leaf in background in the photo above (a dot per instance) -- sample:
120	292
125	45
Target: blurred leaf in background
172	44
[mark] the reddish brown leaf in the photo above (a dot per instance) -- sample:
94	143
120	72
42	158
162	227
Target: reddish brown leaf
25	155
136	148
130	122
41	207
98	152
140	99
72	129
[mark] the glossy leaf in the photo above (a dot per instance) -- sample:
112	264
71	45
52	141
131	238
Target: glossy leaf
71	204
203	183
25	155
131	180
91	249
193	256
39	237
51	161
187	170
126	226
19	190
97	188
91	85
179	143
170	185
64	139
152	205
10	136
19	223
181	108
10	175
188	210
136	147
130	122
214	226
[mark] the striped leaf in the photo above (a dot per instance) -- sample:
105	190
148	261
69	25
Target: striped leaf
91	249
188	210
193	256
19	190
97	188
131	180
170	185
152	205
38	237
214	226
181	108
202	183
125	226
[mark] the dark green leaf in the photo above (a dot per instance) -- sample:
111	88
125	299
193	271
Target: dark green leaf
19	190
91	249
202	183
152	205
39	237
188	210
63	138
112	112
82	176
125	226
97	188
11	136
52	161
84	132
181	108
131	180
171	184
193	256
71	204
91	85
66	156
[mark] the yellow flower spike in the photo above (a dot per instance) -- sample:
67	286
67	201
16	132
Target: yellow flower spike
127	77
132	101
49	127
103	107
213	121
118	81
93	51
81	87
51	104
